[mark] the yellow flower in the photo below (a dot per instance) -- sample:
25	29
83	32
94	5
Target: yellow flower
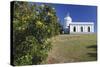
48	30
50	14
27	16
39	24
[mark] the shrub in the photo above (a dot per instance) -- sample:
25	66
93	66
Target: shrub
32	26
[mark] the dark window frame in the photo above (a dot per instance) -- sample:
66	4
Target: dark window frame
74	29
81	29
88	29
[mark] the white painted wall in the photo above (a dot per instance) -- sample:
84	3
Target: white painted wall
85	28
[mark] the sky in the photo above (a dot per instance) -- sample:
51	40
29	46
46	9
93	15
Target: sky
78	13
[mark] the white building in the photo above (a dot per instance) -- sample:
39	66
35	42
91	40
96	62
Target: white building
77	27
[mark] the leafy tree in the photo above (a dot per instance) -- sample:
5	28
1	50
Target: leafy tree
33	25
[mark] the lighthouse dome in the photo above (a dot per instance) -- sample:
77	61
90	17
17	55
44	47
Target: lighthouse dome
67	21
68	18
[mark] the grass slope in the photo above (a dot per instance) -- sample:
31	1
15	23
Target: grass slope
73	48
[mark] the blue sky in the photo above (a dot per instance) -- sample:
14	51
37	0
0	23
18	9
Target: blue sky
79	13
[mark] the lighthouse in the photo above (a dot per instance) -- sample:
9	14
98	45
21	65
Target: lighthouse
71	27
67	21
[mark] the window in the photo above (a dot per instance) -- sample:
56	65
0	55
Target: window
88	29
81	29
74	29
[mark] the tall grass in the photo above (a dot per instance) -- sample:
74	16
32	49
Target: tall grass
73	48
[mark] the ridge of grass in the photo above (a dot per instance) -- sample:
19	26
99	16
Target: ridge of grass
73	48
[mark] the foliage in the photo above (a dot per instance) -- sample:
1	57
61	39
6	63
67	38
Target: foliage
33	25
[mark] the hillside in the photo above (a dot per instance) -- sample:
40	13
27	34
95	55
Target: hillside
73	48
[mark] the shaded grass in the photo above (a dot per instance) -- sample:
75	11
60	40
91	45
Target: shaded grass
73	48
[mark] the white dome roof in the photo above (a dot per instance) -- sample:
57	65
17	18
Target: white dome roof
68	18
67	21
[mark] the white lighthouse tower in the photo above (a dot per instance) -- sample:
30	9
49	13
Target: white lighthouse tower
67	21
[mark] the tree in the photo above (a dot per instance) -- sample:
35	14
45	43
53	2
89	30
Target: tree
32	26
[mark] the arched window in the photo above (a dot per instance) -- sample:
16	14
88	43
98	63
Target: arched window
74	29
81	29
88	29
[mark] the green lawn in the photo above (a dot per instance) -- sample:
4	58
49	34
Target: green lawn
73	48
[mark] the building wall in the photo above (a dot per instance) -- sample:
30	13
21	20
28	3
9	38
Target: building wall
78	28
